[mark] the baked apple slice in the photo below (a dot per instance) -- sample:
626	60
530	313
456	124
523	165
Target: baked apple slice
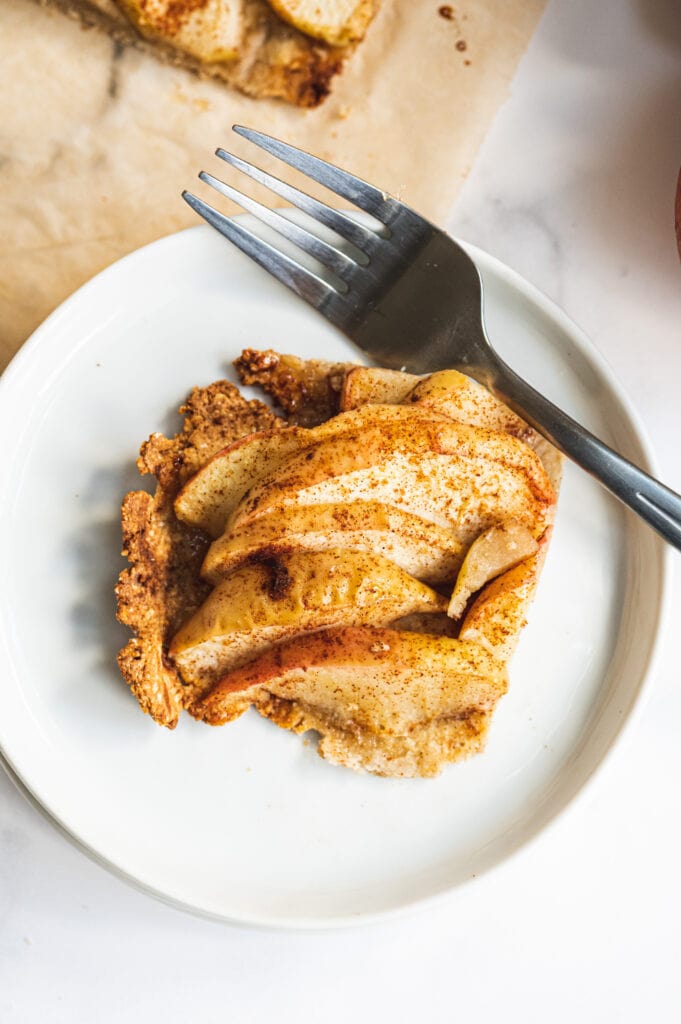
424	550
374	695
457	396
211	30
279	597
458	477
337	22
211	495
497	616
373	385
208	498
452	394
495	551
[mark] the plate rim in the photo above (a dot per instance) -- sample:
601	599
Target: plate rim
512	278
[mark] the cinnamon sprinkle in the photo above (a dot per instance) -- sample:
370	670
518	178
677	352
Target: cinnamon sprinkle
169	21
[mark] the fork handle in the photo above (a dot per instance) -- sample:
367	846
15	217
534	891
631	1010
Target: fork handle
658	505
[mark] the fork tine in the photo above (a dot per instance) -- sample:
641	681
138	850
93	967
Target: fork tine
364	238
300	280
305	240
367	197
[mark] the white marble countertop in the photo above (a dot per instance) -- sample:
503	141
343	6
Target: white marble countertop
574	188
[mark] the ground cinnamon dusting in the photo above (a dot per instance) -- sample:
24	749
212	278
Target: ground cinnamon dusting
169	20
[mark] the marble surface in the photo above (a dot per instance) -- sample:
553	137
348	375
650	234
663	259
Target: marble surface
574	187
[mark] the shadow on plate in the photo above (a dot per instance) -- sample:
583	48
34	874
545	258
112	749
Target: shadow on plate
95	550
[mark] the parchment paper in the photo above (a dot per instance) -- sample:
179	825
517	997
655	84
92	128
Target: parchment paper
96	143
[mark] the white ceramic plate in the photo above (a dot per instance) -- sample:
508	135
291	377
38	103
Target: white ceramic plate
246	823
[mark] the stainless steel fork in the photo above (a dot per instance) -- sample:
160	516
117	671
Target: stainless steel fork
411	298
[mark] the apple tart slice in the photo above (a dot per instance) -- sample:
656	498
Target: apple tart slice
318	560
286	49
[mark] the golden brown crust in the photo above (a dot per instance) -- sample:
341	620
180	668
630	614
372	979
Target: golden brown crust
163	587
276	60
308	390
420	754
214	417
155	594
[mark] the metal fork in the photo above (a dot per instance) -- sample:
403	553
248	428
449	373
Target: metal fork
411	298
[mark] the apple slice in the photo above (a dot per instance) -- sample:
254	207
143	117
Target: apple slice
459	477
372	385
423	549
497	615
211	495
280	597
452	394
210	30
455	395
490	554
208	499
381	681
337	22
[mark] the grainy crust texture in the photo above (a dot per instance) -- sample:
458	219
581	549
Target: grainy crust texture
421	753
163	587
307	390
275	59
